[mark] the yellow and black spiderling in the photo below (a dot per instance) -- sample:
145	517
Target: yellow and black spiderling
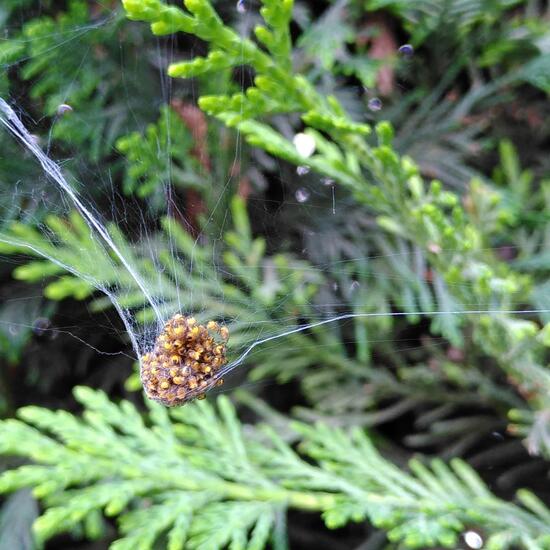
186	361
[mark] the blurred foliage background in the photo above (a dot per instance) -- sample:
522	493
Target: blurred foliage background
429	192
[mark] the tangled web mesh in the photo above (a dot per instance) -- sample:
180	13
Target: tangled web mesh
156	281
179	358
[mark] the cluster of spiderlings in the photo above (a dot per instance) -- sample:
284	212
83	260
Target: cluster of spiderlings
185	361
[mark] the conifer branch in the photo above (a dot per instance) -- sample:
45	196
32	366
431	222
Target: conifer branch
190	477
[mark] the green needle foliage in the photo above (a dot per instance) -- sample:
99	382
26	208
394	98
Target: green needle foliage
387	184
190	478
147	156
73	59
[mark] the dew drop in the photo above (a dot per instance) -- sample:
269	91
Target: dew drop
41	326
406	50
434	248
354	287
327	181
375	104
302	194
305	144
63	108
473	540
302	170
241	7
335	286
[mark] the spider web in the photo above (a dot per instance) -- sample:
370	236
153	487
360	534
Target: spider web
331	274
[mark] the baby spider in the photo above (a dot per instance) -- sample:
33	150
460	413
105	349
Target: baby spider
185	362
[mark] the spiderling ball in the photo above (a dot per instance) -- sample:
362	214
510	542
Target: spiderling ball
185	362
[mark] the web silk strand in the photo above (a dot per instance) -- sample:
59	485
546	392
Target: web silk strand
10	120
228	368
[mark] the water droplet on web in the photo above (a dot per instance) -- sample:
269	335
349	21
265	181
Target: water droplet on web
302	170
302	194
305	144
241	7
63	108
434	248
497	435
327	181
473	540
406	50
354	287
335	286
41	326
375	104
13	330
